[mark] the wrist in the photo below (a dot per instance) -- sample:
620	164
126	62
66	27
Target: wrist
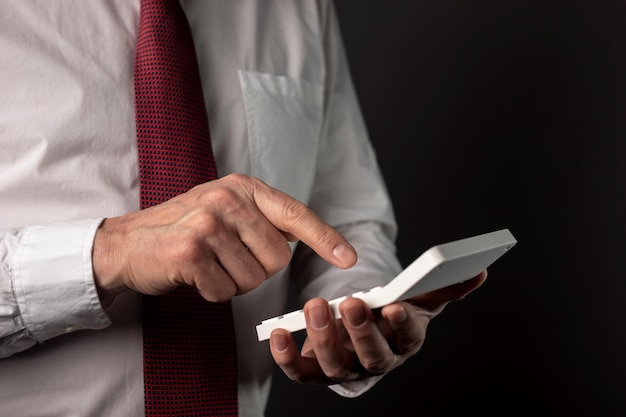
107	261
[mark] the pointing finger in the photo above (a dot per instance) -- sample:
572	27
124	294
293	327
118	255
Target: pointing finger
293	217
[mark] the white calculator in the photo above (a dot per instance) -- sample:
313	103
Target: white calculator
438	267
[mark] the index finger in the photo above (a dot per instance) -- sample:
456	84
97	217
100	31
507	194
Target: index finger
292	216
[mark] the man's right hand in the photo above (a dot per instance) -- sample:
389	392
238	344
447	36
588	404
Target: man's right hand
224	237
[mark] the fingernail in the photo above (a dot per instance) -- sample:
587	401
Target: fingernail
345	254
401	316
355	315
318	317
280	342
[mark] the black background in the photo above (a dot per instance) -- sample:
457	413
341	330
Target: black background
493	114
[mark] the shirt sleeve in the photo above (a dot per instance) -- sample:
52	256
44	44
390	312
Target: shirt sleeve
350	194
46	284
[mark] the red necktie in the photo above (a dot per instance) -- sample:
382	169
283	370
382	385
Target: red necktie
189	343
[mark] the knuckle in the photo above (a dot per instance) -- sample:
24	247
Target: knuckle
239	180
294	211
284	257
226	294
202	224
339	374
225	198
188	250
217	297
298	216
213	290
244	182
251	281
229	203
190	238
279	259
375	366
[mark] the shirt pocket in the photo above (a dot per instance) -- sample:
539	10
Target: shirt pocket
284	117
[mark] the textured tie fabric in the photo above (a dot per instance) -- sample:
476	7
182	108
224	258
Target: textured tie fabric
189	343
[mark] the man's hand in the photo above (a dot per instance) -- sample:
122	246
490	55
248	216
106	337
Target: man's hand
363	343
224	237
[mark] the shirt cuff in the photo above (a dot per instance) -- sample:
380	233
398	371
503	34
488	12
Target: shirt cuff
355	388
53	279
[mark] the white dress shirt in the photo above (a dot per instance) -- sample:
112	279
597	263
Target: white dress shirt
281	107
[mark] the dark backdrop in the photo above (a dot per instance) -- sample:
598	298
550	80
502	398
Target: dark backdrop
492	114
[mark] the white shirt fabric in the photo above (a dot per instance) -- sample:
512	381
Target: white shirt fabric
281	107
